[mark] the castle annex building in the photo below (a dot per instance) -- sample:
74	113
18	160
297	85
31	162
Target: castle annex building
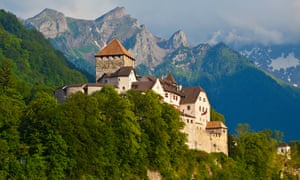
115	66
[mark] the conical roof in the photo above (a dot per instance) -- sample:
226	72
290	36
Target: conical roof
170	78
114	48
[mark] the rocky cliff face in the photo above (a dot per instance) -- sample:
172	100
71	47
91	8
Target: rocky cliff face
177	39
80	40
51	23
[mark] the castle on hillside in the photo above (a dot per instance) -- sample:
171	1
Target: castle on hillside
115	66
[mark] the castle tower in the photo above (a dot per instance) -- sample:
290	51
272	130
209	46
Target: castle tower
111	58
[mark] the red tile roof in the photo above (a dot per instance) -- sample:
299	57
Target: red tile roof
215	125
114	48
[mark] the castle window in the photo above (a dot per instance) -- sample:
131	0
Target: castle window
199	98
200	108
191	121
203	99
187	120
188	107
123	87
174	97
105	81
166	95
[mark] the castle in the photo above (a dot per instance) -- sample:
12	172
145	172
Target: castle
115	66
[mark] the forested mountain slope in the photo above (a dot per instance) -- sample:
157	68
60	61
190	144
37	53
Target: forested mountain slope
32	58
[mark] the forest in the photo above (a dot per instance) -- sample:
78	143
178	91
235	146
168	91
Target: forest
107	135
112	136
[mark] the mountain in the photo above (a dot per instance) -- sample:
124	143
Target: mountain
236	86
80	39
283	61
32	58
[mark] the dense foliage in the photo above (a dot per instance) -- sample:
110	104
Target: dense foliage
112	136
32	59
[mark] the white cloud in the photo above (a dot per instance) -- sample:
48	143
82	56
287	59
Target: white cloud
215	38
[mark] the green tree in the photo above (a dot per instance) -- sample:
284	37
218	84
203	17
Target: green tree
215	116
126	131
6	79
11	110
256	153
161	132
47	149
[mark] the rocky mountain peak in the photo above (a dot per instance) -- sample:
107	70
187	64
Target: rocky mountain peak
49	13
50	22
116	13
178	39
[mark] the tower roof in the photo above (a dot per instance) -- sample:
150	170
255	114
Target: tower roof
170	78
114	48
215	125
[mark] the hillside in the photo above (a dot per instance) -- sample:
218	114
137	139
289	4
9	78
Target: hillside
32	58
236	87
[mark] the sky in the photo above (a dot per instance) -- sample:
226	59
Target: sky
231	21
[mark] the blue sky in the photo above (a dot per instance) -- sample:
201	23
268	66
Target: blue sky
231	21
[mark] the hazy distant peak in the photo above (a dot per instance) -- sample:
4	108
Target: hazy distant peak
178	39
115	13
50	13
50	22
